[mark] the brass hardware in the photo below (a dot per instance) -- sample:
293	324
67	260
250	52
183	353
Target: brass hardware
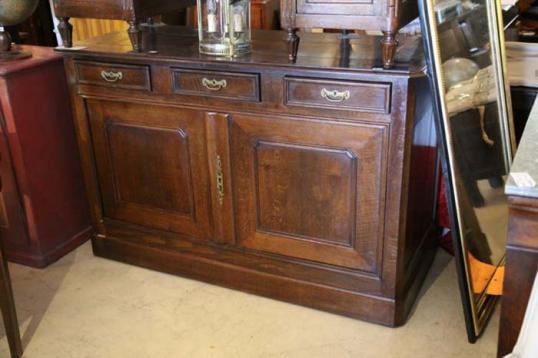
220	181
214	85
111	76
335	95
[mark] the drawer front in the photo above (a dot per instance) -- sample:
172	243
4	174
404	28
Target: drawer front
344	95
133	77
239	86
340	7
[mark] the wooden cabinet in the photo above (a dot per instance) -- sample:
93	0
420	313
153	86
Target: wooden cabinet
387	16
152	165
305	182
43	210
310	189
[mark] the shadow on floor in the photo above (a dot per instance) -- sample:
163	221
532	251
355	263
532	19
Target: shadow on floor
441	261
34	291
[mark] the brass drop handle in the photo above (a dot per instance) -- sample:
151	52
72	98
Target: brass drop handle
214	85
220	180
335	95
112	76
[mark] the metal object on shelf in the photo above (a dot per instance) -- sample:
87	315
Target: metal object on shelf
13	12
224	27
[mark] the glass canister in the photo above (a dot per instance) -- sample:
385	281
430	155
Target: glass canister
224	27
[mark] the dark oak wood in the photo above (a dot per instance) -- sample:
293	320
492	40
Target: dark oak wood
386	16
44	212
265	184
114	75
521	269
239	86
363	97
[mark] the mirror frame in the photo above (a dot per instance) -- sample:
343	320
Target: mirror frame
477	313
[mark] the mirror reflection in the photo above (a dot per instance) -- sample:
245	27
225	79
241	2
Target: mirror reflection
470	82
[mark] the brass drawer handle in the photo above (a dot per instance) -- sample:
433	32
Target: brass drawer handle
111	76
220	181
214	85
335	95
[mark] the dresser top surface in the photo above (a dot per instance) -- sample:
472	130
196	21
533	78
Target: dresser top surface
328	51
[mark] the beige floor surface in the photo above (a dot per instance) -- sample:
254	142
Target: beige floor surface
87	307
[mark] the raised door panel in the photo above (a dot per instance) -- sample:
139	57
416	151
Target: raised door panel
152	166
311	190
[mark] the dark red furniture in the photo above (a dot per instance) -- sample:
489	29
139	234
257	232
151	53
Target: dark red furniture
43	212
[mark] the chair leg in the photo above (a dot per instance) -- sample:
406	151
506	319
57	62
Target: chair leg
7	306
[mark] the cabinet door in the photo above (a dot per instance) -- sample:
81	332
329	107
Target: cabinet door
312	190
152	165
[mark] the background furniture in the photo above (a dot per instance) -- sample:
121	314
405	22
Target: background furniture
37	30
43	211
387	16
312	183
132	11
7	306
522	246
522	101
7	302
527	344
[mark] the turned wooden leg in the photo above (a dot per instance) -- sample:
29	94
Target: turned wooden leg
66	31
388	48
7	306
135	35
293	44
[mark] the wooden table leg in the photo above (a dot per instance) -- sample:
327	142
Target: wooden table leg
7	306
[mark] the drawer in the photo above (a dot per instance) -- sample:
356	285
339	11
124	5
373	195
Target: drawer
133	77
341	7
230	85
336	94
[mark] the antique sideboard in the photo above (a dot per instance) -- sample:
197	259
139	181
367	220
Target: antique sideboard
312	182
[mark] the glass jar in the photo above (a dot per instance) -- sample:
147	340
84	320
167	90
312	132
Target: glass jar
224	27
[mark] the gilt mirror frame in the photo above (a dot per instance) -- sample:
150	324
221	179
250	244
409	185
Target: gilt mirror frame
477	310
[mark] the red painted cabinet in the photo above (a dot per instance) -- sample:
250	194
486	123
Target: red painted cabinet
43	211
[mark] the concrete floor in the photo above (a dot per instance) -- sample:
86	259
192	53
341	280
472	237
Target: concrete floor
84	306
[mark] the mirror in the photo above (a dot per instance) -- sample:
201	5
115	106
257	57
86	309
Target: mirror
464	44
